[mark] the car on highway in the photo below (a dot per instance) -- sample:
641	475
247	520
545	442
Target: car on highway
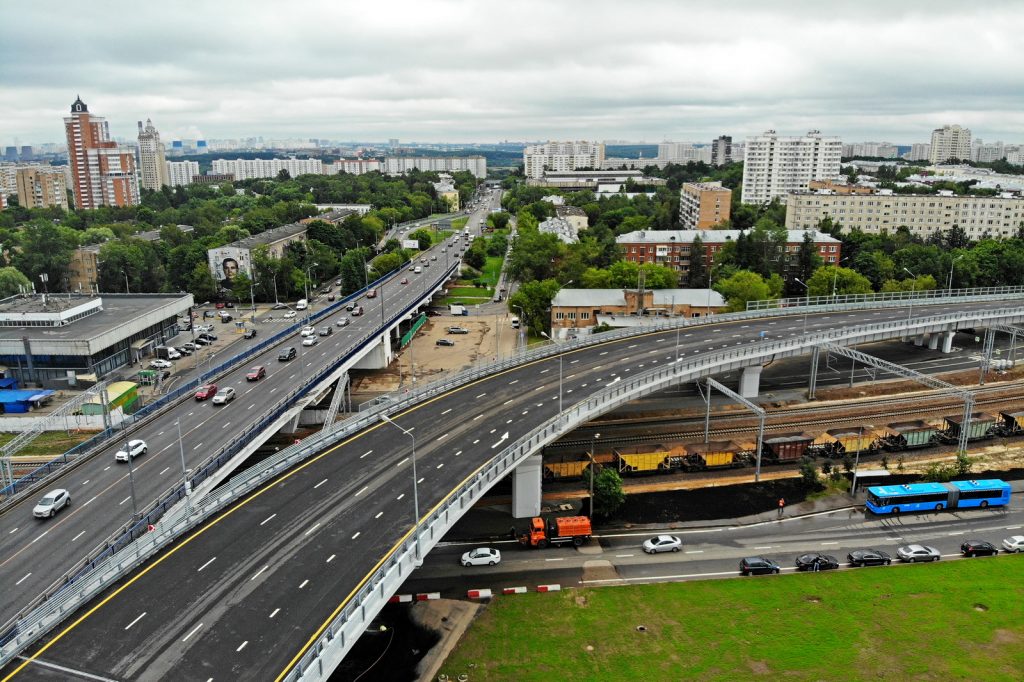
978	548
1014	544
135	448
160	364
357	311
287	354
457	330
224	396
433	257
51	503
343	322
331	298
405	280
444	342
290	314
758	565
349	307
250	333
326	330
308	331
662	543
481	556
869	557
337	282
372	293
256	373
816	562
310	341
914	553
206	392
279	306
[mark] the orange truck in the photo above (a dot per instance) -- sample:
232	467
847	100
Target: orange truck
559	531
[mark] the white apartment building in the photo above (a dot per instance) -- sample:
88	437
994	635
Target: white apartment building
400	165
247	169
986	153
352	166
1016	156
775	165
950	142
885	150
923	214
181	173
685	152
919	151
152	159
562	156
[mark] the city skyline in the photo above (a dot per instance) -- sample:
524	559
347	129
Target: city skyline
467	72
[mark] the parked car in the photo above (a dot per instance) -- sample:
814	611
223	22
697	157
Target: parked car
190	346
1014	544
204	328
869	557
279	306
160	364
135	448
225	319
343	322
51	503
287	354
758	565
331	298
256	373
481	556
326	331
206	392
184	350
250	333
224	396
208	314
914	553
337	282
200	341
662	543
290	314
444	342
978	548
310	341
457	330
308	331
219	306
208	336
816	562
229	304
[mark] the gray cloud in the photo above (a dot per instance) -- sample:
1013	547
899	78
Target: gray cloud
455	70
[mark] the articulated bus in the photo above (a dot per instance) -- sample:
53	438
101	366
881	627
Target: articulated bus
893	499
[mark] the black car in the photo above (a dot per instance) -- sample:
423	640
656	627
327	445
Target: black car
869	557
444	342
209	337
229	304
349	307
758	565
183	350
978	548
816	562
287	354
250	333
326	331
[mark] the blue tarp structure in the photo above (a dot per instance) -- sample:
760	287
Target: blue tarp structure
6	384
15	402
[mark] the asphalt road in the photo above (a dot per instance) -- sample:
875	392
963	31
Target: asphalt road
243	596
34	553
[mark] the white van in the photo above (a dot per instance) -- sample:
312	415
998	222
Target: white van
515	322
418	270
302	304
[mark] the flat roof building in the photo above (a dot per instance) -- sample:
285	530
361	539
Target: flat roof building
703	205
229	260
775	165
575	312
539	159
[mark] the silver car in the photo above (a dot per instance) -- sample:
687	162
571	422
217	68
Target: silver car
224	396
914	553
1014	544
663	543
52	502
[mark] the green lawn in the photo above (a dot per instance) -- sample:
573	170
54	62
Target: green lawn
459	223
49	443
492	268
961	620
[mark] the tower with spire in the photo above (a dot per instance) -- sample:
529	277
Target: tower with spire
152	158
101	172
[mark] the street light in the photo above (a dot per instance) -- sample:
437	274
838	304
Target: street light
806	300
544	334
835	277
131	478
522	324
949	284
184	471
415	486
913	289
593	447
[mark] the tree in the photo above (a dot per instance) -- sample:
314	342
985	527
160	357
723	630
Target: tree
808	473
741	287
498	221
240	289
924	283
697	277
424	237
845	280
283	175
45	248
201	283
807	262
385	263
476	254
534	298
13	282
608	493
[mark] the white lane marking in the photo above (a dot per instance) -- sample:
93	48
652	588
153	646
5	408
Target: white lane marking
604	353
86	481
251	406
319	484
421	480
440	465
695	551
544	370
166	469
402	462
315	526
191	413
304	583
481	396
1012	527
23	579
330	558
514	381
509	421
194	631
198	446
623	556
479	416
633	346
476	441
507	401
160	434
447	411
274	612
356	535
365	454
12	532
526	411
362	490
459	452
379	514
442	437
124	500
206	564
267	519
241	646
829	543
78	536
572	362
257	574
558	559
106	467
399	497
141	616
764	547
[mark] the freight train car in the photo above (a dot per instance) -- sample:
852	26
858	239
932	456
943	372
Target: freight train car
1012	423
837	443
787	447
715	455
649	459
564	470
909	435
981	425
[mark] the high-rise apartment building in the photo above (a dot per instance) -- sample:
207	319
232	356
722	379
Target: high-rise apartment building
703	205
775	166
950	142
919	151
247	169
152	160
399	165
102	173
181	173
684	152
42	187
721	150
562	156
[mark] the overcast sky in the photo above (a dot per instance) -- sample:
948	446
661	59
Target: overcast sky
463	71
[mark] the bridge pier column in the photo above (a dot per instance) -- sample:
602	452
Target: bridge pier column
947	341
933	341
526	488
919	340
750	381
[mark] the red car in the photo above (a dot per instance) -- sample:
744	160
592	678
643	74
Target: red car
219	306
206	392
256	373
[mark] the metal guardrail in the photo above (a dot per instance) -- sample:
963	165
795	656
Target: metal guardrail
113	566
902	296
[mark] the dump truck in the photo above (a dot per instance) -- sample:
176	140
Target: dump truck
559	531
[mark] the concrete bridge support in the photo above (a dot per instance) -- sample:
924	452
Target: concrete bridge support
750	381
919	340
947	341
526	488
933	342
380	355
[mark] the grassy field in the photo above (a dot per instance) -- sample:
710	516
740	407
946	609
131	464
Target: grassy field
961	620
459	223
49	443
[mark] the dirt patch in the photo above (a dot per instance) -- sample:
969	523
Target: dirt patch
1002	636
711	503
759	667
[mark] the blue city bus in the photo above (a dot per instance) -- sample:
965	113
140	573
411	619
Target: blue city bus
893	499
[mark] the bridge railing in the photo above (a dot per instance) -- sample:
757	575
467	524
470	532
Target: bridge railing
901	296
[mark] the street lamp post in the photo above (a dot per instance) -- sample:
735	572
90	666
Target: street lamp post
184	471
593	447
131	479
949	283
835	277
913	289
807	290
544	334
522	325
415	486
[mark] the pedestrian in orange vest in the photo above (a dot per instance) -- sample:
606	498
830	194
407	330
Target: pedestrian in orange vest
782	505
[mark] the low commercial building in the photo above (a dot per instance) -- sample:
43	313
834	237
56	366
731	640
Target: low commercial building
361	209
560	228
703	205
334	217
446	191
575	312
227	261
57	341
595	180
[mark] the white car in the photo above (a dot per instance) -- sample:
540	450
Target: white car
52	502
481	556
343	322
310	340
224	396
135	447
1014	544
160	364
290	314
663	543
204	328
308	331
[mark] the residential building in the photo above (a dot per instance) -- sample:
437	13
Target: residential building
684	152
673	248
574	215
181	173
775	165
334	217
361	209
950	142
596	181
445	190
885	150
84	266
213	178
721	150
400	165
839	187
634	163
8	180
103	174
152	160
42	187
559	227
539	159
352	166
1016	157
554	199
703	205
248	169
575	312
923	214
226	262
919	151
986	153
